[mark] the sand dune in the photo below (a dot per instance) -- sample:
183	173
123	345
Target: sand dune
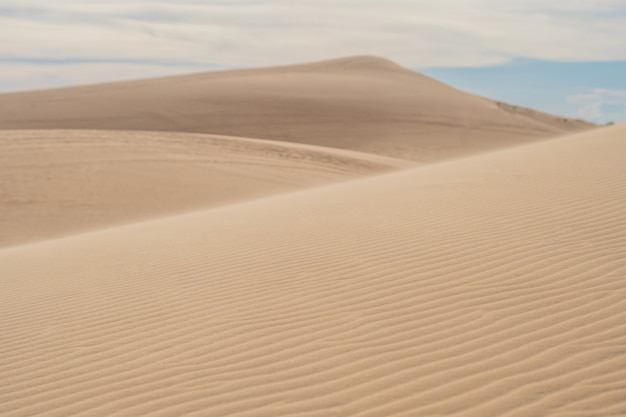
360	103
488	286
54	183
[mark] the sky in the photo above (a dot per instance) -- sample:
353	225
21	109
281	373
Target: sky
592	90
567	58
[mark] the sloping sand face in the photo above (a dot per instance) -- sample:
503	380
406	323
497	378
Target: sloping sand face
488	286
360	103
55	183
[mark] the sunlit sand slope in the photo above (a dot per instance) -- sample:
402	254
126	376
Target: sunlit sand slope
54	183
489	286
360	103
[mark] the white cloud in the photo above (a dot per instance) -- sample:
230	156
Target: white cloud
601	105
245	33
20	77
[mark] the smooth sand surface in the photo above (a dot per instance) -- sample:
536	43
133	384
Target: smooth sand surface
55	183
360	103
493	285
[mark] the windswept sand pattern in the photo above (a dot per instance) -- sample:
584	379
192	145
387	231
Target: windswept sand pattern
489	286
55	183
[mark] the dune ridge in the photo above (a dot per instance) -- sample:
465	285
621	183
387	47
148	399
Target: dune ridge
55	183
488	286
360	103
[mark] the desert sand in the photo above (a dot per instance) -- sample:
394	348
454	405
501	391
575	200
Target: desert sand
58	182
490	283
360	103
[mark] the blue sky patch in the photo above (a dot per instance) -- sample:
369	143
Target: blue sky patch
591	90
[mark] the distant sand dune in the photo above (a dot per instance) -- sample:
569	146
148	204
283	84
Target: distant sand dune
54	183
360	103
488	286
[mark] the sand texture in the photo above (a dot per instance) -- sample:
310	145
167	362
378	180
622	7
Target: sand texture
491	285
340	238
360	103
55	183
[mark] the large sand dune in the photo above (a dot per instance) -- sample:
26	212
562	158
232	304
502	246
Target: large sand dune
488	286
360	103
54	183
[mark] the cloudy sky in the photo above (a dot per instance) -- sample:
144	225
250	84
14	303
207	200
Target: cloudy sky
563	57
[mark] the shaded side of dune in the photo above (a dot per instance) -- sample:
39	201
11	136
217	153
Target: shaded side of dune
57	182
360	103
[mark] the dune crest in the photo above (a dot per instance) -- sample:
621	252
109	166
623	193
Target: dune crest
359	103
